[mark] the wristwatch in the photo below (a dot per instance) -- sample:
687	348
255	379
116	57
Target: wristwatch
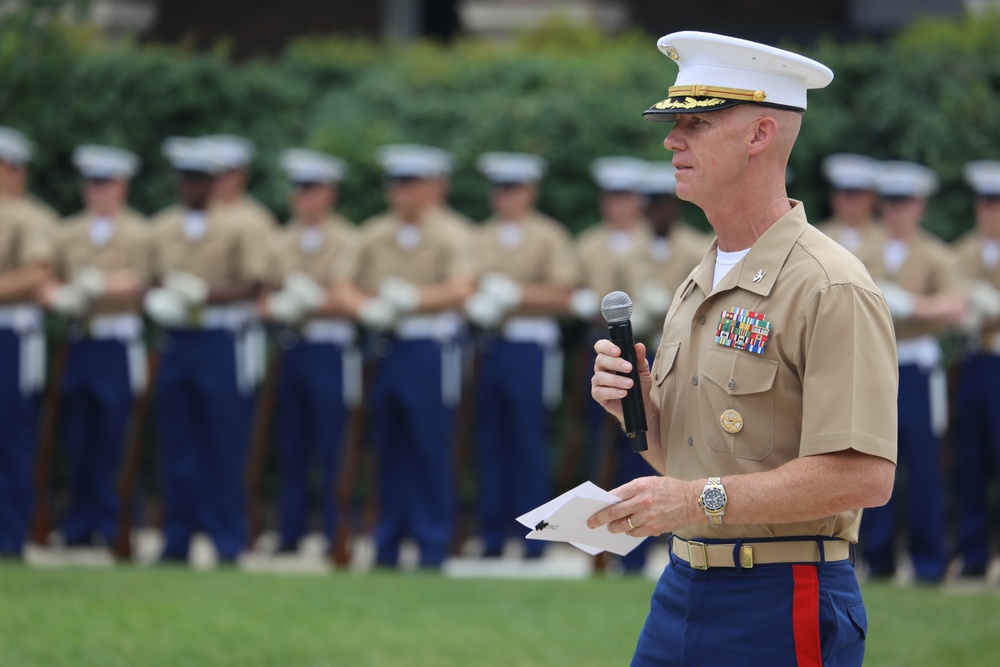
713	500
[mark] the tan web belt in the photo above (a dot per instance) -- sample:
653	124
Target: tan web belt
702	556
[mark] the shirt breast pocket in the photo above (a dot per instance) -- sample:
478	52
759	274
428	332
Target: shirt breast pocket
737	403
662	370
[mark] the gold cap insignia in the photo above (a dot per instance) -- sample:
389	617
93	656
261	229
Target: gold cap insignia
671	53
731	421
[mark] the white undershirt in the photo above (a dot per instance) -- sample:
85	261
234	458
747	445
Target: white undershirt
310	239
660	250
408	237
894	254
724	262
990	252
510	234
620	241
195	225
850	238
101	231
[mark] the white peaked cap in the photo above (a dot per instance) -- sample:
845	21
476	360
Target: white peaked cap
716	72
14	146
186	154
618	173
308	166
659	178
905	179
105	162
414	160
983	176
849	171
511	167
235	152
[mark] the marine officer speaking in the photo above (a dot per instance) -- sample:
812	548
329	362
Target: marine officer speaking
772	400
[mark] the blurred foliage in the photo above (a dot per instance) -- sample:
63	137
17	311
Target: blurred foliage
570	94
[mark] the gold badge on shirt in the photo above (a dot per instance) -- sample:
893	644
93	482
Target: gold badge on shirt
732	421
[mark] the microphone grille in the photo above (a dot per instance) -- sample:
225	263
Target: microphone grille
616	306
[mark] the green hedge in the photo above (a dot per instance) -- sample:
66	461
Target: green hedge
931	95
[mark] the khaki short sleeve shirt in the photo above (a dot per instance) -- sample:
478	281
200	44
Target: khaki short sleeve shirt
327	253
421	254
535	251
225	253
23	241
824	381
605	266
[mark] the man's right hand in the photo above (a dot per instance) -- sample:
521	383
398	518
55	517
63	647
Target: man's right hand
607	387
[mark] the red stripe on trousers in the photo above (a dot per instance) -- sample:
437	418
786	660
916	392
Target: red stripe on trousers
805	616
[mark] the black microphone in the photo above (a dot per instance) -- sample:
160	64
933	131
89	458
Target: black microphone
617	310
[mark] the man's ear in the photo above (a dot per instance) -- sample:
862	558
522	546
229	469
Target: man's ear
762	134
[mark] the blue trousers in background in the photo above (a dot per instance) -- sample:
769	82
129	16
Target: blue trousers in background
309	422
413	423
18	444
809	615
203	434
94	411
512	431
976	445
919	466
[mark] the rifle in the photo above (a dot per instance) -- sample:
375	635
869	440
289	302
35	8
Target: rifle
464	443
575	414
122	548
41	520
260	441
343	491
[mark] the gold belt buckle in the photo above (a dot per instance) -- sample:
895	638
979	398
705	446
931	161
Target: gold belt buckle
692	546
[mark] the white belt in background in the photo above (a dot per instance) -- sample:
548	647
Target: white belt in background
923	351
438	326
25	320
116	326
545	332
230	317
338	331
20	317
541	330
127	328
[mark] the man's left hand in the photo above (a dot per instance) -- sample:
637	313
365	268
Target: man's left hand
655	505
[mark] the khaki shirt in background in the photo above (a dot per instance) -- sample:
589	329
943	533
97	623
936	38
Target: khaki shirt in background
537	250
224	255
23	241
969	256
247	211
127	248
426	253
929	268
825	382
606	269
866	240
34	211
331	258
453	222
668	261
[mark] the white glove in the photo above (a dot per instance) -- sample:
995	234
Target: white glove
504	291
165	307
305	289
69	300
401	295
90	281
285	307
984	298
655	298
585	303
484	310
377	314
190	287
901	303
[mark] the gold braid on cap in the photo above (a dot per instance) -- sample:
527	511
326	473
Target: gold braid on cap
703	90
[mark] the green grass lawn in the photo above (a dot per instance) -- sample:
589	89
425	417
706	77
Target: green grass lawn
176	617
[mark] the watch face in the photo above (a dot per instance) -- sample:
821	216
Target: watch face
714	499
